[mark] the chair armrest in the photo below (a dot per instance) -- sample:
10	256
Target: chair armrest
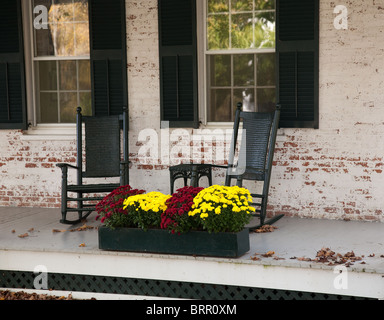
66	165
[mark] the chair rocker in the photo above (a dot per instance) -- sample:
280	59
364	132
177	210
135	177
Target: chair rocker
255	155
106	141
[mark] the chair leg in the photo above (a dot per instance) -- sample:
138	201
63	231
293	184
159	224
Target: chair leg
194	177
210	176
73	222
263	214
171	183
64	194
268	222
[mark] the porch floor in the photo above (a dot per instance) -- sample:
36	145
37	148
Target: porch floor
31	237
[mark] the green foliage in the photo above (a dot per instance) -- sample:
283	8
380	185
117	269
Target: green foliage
242	26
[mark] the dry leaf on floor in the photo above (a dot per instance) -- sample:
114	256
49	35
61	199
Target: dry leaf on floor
82	228
265	229
304	259
25	235
58	231
254	257
268	254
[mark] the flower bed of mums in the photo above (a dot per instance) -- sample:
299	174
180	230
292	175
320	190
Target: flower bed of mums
214	209
190	213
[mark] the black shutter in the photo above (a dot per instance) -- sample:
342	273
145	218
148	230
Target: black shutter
178	63
108	56
13	112
297	55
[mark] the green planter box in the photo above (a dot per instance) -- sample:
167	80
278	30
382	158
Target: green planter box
198	243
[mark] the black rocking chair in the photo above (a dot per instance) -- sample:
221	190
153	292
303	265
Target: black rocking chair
255	155
106	144
254	161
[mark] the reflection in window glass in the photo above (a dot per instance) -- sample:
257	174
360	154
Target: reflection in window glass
68	31
218	32
246	78
243	70
240	57
62	66
220	66
63	85
68	72
221	102
242	31
48	114
241	24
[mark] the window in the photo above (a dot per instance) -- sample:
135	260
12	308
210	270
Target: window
78	46
260	52
240	57
61	57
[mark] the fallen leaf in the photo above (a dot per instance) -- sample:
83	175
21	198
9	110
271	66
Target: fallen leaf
13	231
265	229
25	235
58	231
82	245
268	254
278	258
82	228
304	259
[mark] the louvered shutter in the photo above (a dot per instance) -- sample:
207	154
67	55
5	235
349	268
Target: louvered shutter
108	56
298	62
13	112
178	63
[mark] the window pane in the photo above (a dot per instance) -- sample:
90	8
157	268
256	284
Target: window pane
68	75
65	19
84	75
242	31
218	6
234	77
64	39
68	106
48	108
266	100
247	97
265	30
220	105
82	39
47	75
244	70
265	4
44	43
220	70
81	10
266	69
218	32
85	103
63	11
242	5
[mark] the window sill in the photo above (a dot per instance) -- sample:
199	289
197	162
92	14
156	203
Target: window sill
50	132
